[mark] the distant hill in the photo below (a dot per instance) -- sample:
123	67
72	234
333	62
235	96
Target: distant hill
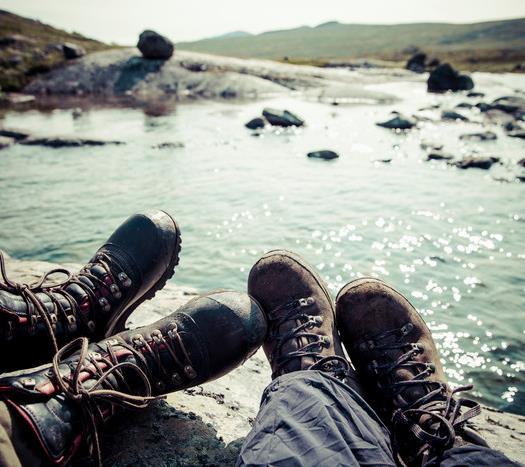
474	45
28	47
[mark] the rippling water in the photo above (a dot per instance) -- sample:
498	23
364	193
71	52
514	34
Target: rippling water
451	240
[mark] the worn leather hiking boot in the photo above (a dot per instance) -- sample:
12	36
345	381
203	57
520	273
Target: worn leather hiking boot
398	364
301	317
135	262
62	405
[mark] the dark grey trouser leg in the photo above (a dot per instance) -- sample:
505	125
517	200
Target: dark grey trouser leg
308	418
473	456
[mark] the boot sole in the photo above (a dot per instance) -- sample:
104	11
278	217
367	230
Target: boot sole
118	324
298	259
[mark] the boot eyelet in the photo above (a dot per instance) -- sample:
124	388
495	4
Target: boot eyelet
160	385
91	326
115	291
190	372
124	279
104	304
28	383
138	341
157	336
176	379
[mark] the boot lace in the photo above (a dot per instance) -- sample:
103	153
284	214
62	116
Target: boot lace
441	412
107	373
298	310
96	296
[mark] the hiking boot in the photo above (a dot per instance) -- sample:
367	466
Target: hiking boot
301	317
128	269
398	364
63	404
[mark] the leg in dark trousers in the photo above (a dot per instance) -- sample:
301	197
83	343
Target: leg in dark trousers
311	418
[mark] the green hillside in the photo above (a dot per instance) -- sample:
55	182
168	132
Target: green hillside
28	47
476	45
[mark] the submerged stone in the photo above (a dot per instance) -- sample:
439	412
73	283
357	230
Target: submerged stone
282	118
399	122
482	136
255	123
323	154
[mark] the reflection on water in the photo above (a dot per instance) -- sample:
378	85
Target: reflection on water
451	240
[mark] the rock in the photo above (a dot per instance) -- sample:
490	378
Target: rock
439	156
61	142
521	162
464	105
483	136
154	46
5	142
510	104
416	63
483	106
475	94
451	115
282	118
323	154
18	135
76	113
72	51
517	134
431	145
169	145
445	78
478	162
382	161
399	122
512	126
433	63
255	123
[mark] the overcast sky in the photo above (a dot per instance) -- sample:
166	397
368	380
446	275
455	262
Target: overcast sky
122	20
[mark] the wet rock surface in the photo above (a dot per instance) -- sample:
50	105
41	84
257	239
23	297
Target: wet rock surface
255	123
65	142
72	51
206	425
482	136
477	162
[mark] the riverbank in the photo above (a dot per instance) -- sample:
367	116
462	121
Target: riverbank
206	425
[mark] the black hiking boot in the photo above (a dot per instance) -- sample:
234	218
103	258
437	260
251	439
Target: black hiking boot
399	366
135	262
62	405
301	317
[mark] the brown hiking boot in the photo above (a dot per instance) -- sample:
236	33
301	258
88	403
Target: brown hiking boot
136	261
398	364
62	405
301	317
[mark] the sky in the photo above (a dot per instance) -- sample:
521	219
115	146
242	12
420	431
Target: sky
121	21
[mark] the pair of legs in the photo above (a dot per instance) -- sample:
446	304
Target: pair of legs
317	410
393	405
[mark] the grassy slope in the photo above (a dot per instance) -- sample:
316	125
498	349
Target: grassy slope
474	45
37	52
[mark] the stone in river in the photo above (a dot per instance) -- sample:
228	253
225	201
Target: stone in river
155	46
517	134
510	104
521	162
323	154
399	122
61	142
451	115
283	118
477	162
482	136
439	156
475	94
445	78
416	63
255	123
